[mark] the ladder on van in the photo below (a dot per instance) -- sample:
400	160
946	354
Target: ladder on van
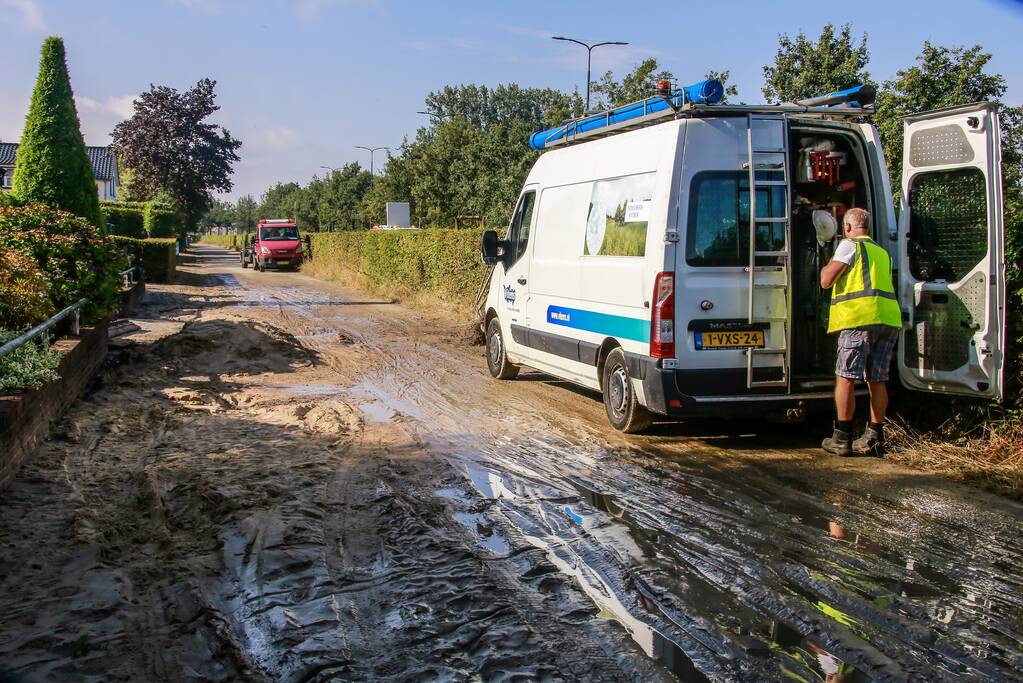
769	301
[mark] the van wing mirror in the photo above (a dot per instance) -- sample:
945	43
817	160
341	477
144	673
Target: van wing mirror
488	248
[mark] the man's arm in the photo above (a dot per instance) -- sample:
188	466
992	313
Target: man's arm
831	272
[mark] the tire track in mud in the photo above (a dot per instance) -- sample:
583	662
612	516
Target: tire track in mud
728	571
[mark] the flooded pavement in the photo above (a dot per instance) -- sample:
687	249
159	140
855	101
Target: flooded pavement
306	483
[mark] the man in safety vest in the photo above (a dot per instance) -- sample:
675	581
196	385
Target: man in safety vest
866	315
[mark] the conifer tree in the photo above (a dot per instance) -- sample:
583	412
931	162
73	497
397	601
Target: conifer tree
53	166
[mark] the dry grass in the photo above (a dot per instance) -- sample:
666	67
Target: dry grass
990	456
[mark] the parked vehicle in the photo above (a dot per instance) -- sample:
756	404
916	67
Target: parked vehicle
639	264
275	243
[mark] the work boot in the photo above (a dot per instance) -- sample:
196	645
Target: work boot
839	443
872	441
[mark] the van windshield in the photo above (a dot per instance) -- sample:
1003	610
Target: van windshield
278	233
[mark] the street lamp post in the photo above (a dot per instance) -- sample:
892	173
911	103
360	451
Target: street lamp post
589	54
371	151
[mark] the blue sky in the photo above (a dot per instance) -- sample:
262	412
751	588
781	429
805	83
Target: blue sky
301	82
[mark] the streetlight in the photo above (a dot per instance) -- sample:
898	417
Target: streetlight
439	117
589	53
371	150
330	168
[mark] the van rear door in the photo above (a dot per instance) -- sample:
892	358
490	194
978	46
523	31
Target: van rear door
951	253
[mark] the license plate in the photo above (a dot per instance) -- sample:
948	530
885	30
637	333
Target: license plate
733	339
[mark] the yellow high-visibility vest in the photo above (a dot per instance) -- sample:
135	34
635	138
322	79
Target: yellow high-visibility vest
864	294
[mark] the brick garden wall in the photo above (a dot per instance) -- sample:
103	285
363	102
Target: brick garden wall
25	418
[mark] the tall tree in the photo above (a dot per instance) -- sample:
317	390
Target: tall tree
219	214
279	201
246	212
170	146
484	107
635	85
342	192
803	68
53	165
944	77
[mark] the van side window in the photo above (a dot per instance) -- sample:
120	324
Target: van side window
522	222
718	228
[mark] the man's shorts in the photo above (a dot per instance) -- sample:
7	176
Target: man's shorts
866	352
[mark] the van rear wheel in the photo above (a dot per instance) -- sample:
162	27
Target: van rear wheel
624	411
497	360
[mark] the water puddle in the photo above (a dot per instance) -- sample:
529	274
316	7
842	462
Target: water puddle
484	532
376	412
314	389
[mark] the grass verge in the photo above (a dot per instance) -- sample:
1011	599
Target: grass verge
989	456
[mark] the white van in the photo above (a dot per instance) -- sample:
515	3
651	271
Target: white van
638	264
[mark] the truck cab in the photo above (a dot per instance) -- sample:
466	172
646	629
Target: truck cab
639	263
275	243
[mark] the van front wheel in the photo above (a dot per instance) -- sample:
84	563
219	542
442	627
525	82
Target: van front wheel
497	360
624	410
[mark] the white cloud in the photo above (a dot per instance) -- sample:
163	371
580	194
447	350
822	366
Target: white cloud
98	117
277	138
30	14
123	106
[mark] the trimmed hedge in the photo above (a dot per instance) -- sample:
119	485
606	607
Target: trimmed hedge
124	218
443	262
157	256
160	220
231	241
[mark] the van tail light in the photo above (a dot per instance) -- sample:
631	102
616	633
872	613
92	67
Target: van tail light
662	317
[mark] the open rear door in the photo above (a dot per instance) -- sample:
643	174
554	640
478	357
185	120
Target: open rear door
951	252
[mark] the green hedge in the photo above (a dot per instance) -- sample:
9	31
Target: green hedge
124	218
156	254
231	241
160	220
443	262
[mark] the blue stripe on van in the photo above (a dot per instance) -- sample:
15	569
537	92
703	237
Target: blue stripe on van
602	323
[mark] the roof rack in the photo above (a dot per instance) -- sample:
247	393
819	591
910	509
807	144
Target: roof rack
659	109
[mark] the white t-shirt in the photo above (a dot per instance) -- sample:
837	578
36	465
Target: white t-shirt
846	252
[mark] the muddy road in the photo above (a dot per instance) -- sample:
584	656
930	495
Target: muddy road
278	479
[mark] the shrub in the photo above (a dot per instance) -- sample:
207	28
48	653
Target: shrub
74	255
160	220
52	165
124	218
28	367
156	255
443	262
24	291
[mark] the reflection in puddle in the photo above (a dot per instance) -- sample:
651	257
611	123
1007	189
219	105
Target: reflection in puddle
484	532
488	482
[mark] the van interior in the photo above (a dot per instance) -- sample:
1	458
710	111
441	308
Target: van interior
828	172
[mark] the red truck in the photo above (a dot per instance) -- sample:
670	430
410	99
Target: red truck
274	244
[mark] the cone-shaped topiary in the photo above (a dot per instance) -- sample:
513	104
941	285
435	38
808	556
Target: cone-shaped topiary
52	166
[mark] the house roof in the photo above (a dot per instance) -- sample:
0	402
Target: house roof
104	162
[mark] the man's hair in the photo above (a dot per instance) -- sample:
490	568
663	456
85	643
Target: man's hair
856	219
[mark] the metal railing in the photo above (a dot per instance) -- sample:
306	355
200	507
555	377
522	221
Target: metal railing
73	310
128	277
